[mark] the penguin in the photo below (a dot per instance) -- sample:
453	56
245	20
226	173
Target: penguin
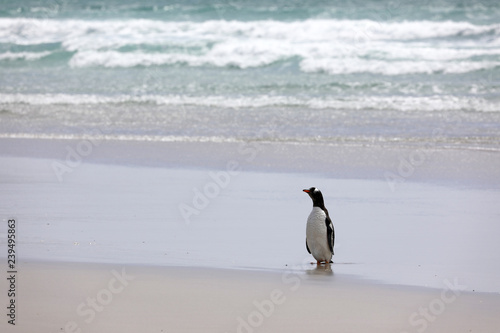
320	234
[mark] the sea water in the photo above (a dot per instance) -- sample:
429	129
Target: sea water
361	72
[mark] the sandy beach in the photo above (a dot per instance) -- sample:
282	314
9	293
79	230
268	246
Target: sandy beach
112	248
153	157
69	297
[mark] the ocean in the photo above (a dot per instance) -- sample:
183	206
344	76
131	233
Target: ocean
335	72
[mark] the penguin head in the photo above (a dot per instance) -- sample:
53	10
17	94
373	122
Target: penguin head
315	195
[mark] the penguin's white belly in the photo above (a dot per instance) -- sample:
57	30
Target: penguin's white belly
316	235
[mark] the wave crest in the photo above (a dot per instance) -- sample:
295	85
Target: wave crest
330	46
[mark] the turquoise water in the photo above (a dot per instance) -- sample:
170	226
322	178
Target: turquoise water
357	71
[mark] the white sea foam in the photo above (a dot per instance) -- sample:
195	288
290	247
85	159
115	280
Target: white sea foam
87	34
329	65
245	56
240	56
348	66
118	137
399	103
332	46
23	55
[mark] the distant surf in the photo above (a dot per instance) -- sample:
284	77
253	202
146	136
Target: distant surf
329	46
367	71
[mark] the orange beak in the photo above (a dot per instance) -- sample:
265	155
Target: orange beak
307	191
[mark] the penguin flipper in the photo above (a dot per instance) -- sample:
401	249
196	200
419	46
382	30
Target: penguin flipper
330	233
307	247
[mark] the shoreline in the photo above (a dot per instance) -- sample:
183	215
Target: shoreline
176	203
305	271
71	297
395	165
119	202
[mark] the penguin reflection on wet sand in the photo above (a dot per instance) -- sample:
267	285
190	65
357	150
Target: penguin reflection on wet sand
320	235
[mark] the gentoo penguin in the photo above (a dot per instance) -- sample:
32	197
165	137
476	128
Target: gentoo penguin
320	235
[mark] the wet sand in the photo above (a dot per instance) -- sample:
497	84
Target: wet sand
104	245
70	297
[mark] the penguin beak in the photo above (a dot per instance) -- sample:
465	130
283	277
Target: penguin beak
307	191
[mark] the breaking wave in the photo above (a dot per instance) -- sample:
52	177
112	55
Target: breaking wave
328	46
